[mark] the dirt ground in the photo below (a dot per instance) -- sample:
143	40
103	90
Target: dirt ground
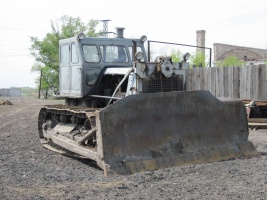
28	171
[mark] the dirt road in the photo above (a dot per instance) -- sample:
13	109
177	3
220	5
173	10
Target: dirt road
28	171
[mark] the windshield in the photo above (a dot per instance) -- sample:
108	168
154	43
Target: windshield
116	54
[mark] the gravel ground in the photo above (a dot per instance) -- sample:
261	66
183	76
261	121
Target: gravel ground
28	171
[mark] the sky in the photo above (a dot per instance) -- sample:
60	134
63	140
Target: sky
235	22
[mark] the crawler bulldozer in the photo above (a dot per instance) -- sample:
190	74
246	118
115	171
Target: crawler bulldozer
129	114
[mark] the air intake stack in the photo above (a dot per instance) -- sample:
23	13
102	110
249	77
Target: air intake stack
119	32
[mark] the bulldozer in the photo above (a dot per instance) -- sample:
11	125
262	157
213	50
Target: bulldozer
128	114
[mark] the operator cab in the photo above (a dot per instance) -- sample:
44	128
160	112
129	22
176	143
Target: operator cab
95	65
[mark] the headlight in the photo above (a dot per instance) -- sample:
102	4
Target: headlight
81	36
143	38
186	56
139	56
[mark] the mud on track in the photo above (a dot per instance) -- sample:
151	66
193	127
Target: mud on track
28	171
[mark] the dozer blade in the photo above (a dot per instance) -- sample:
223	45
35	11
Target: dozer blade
153	131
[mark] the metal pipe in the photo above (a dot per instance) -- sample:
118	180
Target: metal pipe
87	136
119	85
104	97
187	45
179	44
210	57
148	50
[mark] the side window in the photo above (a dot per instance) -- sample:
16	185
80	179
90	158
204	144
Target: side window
90	53
64	54
131	52
92	75
74	54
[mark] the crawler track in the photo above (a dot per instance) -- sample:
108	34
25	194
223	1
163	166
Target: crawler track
62	126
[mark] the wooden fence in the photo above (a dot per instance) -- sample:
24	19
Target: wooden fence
246	82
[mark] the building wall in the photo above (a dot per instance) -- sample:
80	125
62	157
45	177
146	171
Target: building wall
12	92
222	51
4	92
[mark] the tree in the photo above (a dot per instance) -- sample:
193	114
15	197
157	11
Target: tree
230	61
197	59
49	79
176	55
46	50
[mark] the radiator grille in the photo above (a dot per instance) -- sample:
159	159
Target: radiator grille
157	84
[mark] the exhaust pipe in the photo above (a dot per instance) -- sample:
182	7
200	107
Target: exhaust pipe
119	32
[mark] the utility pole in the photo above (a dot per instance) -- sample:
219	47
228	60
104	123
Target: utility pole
40	83
105	27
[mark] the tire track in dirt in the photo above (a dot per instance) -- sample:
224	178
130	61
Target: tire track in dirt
13	116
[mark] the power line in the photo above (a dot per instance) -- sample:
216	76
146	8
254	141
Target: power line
14	50
14	45
17	41
6	56
20	29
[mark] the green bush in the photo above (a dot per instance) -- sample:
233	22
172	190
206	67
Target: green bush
230	61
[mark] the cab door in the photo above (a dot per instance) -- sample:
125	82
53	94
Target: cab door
70	71
75	72
64	70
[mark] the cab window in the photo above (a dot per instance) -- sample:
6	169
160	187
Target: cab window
74	54
92	75
90	53
64	54
114	54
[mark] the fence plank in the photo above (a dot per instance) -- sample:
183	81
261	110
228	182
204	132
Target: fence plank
230	81
248	81
218	83
205	75
236	82
225	82
221	82
243	88
254	82
213	82
198	77
262	82
188	79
